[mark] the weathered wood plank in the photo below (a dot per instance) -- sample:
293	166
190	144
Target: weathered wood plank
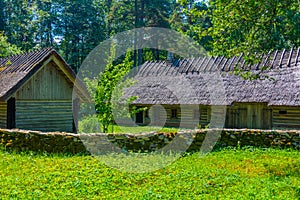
248	115
48	83
3	114
44	115
287	117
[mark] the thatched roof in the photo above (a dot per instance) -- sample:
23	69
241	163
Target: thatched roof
16	70
200	81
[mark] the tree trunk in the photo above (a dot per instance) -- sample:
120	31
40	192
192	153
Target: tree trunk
2	16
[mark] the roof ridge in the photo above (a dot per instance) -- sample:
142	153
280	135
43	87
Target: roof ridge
22	53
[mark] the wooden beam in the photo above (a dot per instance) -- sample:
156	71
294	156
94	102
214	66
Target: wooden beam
232	60
223	67
239	58
296	59
207	64
267	58
290	57
281	58
200	66
274	59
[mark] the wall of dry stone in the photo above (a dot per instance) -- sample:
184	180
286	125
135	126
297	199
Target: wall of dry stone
20	140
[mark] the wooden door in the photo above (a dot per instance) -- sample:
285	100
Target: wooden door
236	118
242	118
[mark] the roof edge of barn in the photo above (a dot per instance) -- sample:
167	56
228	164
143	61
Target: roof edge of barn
30	63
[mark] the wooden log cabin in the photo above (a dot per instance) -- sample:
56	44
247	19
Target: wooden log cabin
36	92
269	102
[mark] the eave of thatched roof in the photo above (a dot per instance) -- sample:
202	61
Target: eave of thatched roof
198	81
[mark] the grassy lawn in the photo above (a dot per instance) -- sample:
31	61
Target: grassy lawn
135	129
91	125
139	129
225	174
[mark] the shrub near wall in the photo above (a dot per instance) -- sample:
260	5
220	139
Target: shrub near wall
20	140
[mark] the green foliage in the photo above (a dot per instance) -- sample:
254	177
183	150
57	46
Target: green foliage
73	27
20	25
81	26
222	27
229	28
227	174
192	18
108	90
78	26
203	127
7	49
89	124
253	26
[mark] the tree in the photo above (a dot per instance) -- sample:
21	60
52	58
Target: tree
81	28
156	13
72	27
107	83
20	24
192	18
46	22
127	14
7	49
2	15
253	26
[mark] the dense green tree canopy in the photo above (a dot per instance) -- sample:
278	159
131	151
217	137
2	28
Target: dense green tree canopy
253	26
7	49
192	18
222	27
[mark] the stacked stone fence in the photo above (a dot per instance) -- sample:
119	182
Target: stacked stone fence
55	142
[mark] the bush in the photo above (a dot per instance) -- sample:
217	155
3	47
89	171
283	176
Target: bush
89	124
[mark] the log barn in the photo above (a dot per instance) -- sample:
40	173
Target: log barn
36	92
271	101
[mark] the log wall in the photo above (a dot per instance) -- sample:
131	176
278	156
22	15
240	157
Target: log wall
3	114
239	115
44	115
285	117
189	116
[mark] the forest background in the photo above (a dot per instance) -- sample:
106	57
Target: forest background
74	28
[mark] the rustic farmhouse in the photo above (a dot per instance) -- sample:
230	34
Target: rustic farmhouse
36	92
270	103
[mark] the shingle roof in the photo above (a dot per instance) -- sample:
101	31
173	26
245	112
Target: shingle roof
198	81
15	70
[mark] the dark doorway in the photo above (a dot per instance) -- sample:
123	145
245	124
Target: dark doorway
139	117
76	107
11	113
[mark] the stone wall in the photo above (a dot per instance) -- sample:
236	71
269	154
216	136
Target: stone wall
19	140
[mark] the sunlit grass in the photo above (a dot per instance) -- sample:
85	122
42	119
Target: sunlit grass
91	125
227	174
140	129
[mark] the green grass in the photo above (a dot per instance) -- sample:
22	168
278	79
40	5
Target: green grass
89	125
135	129
226	174
140	129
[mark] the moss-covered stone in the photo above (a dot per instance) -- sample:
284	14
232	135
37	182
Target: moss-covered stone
19	140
